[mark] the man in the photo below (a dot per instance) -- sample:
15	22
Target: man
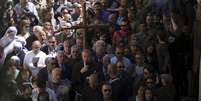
120	57
63	65
25	7
122	34
79	43
56	81
78	11
65	33
50	48
106	92
67	48
83	69
92	89
35	59
41	87
116	83
142	35
75	57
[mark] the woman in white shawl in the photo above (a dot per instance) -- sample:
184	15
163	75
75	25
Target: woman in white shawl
8	40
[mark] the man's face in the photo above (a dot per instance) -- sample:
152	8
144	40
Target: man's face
66	47
97	8
99	49
36	48
107	91
52	43
142	27
50	3
105	3
119	52
150	82
75	52
139	59
60	57
146	73
85	57
123	3
56	75
149	19
23	2
123	25
79	43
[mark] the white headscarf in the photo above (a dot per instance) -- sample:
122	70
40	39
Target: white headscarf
9	36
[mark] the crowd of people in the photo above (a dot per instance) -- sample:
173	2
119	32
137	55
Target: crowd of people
98	50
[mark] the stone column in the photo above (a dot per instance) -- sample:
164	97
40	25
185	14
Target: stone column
198	39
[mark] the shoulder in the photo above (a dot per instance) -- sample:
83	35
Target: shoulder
31	4
29	53
41	53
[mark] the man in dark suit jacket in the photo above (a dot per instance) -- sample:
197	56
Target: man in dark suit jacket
82	69
50	48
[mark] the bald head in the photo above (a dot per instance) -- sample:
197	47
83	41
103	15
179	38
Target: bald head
36	45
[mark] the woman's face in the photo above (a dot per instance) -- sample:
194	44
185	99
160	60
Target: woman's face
25	75
148	95
120	67
141	91
150	49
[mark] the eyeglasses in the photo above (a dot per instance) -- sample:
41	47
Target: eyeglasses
120	66
51	41
124	25
149	82
74	51
47	24
120	53
107	90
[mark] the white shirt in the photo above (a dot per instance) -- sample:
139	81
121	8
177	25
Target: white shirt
139	70
29	64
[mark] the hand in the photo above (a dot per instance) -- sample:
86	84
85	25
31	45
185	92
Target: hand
84	69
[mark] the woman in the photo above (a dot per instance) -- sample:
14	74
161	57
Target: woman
151	56
8	40
24	28
139	95
148	95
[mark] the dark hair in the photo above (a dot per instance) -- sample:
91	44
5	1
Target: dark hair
63	8
40	83
98	3
105	83
43	96
149	68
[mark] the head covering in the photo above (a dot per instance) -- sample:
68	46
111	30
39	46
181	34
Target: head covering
77	5
18	45
15	58
9	36
12	30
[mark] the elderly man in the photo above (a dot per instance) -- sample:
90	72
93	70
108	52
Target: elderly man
35	59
